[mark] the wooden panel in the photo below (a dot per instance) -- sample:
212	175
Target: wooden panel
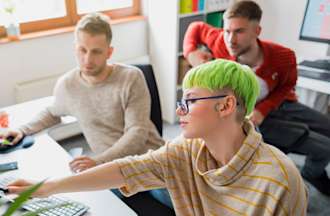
72	18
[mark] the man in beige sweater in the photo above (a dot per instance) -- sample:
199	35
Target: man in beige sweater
110	101
220	166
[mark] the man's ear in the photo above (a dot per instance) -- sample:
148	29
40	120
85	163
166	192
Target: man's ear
110	51
258	30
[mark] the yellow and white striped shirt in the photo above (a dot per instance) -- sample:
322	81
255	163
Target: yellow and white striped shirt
258	180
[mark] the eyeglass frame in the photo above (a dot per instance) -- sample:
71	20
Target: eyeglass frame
184	106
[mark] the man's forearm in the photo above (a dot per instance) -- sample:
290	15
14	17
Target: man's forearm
133	142
40	122
101	177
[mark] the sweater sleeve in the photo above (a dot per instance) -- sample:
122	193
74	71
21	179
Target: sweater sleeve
43	120
143	172
287	81
156	168
198	33
137	122
51	115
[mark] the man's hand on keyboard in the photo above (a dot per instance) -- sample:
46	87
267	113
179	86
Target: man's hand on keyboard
82	163
21	185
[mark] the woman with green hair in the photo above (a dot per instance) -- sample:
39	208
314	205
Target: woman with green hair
220	166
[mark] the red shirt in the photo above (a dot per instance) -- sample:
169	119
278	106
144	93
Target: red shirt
279	69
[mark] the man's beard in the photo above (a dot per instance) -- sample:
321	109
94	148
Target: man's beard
241	52
94	72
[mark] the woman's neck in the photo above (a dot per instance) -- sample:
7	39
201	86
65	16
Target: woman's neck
226	143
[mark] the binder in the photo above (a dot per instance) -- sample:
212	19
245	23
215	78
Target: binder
201	5
186	6
215	19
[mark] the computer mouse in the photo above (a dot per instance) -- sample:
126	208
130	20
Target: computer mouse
27	142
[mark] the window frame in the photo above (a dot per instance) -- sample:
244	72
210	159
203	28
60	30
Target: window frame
71	18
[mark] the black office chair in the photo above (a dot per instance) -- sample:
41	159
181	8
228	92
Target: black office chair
156	112
143	203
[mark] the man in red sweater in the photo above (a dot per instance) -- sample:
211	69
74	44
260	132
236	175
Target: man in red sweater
282	121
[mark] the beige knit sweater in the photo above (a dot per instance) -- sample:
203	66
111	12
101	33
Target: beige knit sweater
114	115
258	181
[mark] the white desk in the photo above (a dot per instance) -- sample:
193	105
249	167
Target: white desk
46	159
313	84
313	92
309	83
22	113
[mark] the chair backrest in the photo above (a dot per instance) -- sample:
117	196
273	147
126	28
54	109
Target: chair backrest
156	112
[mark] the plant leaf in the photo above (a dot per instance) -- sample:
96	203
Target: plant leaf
24	196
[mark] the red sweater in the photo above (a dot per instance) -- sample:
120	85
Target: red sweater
279	68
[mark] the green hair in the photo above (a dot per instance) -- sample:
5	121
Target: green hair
221	74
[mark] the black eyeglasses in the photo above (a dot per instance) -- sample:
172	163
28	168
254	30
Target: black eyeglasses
183	105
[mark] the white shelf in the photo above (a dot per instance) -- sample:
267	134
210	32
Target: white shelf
166	27
313	84
213	11
191	14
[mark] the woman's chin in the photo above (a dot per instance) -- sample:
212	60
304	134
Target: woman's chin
188	135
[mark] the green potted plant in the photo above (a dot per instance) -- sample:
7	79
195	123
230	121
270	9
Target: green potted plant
8	9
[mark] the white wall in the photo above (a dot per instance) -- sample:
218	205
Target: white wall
281	23
34	58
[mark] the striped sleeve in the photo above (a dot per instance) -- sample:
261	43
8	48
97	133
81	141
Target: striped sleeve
144	172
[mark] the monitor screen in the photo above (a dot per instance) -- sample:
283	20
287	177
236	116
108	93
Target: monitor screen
316	23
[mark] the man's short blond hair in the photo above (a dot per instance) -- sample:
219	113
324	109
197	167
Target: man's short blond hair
95	24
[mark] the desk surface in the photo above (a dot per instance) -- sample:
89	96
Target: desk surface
47	159
313	84
309	83
22	113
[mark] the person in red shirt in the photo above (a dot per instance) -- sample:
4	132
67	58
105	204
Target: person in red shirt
283	122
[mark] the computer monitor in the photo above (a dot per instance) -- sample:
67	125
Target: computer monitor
316	24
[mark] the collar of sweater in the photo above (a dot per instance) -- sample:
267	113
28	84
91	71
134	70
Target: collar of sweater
208	167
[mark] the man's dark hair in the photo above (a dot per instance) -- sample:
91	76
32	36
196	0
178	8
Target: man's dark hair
244	9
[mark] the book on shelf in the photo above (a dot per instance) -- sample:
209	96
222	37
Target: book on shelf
194	5
214	5
190	6
201	5
215	19
186	6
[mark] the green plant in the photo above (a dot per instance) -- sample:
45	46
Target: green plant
9	18
8	6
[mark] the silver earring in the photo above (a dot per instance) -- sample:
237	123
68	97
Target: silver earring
216	107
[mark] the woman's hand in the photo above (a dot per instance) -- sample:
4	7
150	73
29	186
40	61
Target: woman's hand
20	185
